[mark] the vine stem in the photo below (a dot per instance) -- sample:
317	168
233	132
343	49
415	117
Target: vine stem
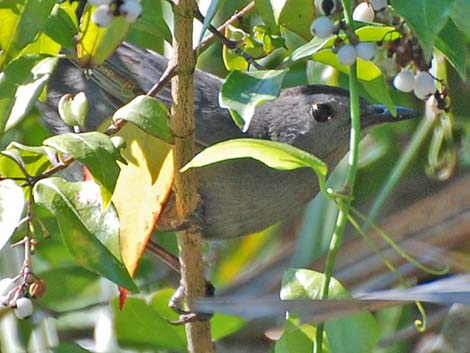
344	204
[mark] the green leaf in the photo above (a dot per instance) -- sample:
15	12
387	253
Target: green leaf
97	152
21	21
378	89
451	42
141	325
12	204
225	325
96	44
297	338
366	70
42	45
214	6
150	29
276	155
459	15
33	160
69	288
377	33
357	333
426	18
266	11
90	235
369	75
62	25
21	83
370	33
295	15
69	348
242	92
149	114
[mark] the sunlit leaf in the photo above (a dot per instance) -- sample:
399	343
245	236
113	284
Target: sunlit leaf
21	21
33	160
149	114
151	29
276	155
295	15
97	152
266	11
357	333
21	83
96	44
88	232
297	338
12	203
142	190
214	6
62	25
242	92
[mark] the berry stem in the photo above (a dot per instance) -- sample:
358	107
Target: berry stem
344	204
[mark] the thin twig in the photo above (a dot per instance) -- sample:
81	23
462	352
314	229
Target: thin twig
227	42
238	15
170	259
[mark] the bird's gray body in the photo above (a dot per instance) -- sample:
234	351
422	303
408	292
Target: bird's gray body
242	196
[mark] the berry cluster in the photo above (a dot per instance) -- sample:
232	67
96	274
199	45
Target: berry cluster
14	295
323	27
421	83
107	9
407	53
366	10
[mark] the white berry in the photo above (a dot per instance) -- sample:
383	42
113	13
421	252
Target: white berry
363	12
131	10
424	84
6	285
322	27
24	308
347	55
404	81
365	50
102	16
378	5
100	2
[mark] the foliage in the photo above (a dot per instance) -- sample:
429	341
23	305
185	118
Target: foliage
87	201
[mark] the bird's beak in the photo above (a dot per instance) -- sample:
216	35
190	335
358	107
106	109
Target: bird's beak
381	114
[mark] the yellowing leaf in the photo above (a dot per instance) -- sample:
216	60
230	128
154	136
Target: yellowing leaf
96	44
142	190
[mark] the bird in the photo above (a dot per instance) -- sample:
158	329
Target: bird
241	196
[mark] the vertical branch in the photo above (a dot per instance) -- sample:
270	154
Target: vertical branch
344	205
182	125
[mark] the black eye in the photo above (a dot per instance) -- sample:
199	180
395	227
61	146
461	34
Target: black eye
320	112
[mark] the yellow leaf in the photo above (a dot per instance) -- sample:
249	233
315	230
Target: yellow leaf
143	187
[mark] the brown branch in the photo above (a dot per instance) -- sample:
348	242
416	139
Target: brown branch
182	125
227	42
170	259
238	15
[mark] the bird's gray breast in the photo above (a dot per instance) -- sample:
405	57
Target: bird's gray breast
245	196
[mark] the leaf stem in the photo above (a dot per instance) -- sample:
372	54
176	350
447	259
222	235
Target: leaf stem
344	204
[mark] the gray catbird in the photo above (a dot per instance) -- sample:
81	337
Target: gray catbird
242	196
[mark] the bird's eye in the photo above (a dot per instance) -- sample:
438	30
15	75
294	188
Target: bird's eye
320	112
